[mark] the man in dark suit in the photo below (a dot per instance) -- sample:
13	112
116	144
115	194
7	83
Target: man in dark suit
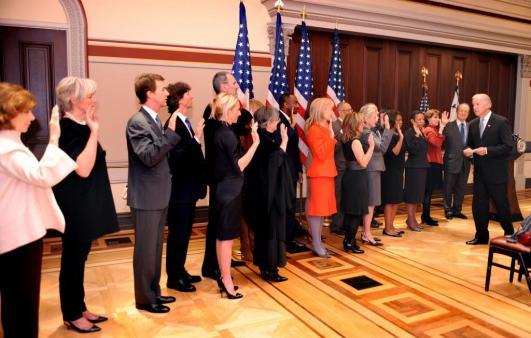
490	141
187	186
456	165
222	82
288	104
149	188
343	108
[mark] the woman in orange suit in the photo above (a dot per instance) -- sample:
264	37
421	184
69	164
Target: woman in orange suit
322	170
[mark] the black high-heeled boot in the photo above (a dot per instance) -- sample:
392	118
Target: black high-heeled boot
347	242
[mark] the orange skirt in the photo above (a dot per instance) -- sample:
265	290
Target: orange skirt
322	196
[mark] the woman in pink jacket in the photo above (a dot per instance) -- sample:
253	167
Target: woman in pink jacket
28	209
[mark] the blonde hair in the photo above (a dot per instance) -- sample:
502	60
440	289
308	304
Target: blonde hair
73	86
222	104
351	122
317	108
14	100
254	105
368	109
432	112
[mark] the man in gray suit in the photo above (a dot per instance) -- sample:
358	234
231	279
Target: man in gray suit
149	187
343	108
456	165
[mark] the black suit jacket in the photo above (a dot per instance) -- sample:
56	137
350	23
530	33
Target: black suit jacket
292	149
453	149
417	150
187	166
497	137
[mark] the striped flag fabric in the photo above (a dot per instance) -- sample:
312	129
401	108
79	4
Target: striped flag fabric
455	103
303	89
336	88
424	104
241	66
278	81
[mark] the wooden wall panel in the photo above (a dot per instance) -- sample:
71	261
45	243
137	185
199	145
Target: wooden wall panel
387	72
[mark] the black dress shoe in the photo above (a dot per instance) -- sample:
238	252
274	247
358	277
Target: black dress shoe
153	308
477	241
429	221
460	215
296	244
181	285
375	224
214	274
98	320
191	278
165	299
235	263
356	249
71	325
272	277
448	215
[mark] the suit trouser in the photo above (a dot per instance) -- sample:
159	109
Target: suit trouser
147	257
480	207
71	278
291	220
20	285
337	219
180	221
210	260
454	189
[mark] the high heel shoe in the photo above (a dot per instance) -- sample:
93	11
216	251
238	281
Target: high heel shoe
324	255
98	320
223	289
220	284
71	325
364	239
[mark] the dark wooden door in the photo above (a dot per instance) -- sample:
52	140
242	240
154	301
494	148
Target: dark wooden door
35	59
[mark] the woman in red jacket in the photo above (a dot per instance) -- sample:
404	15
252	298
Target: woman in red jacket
434	135
322	170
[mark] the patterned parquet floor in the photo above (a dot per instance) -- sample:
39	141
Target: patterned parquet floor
427	284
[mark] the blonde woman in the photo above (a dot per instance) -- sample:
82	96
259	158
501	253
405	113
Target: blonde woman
322	170
229	163
376	165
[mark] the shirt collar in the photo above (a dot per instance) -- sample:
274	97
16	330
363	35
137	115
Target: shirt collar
487	117
285	115
151	113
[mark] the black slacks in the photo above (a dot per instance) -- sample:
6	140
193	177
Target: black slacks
454	189
71	278
180	221
292	224
20	285
147	256
210	260
337	219
480	207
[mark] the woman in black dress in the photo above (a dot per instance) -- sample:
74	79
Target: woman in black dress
354	185
229	163
416	168
269	195
393	176
84	197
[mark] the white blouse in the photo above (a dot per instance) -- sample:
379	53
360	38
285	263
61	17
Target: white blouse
27	203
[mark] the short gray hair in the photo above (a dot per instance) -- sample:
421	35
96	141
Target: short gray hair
264	115
368	109
219	79
72	86
483	97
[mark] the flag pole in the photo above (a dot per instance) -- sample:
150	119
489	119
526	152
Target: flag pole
458	76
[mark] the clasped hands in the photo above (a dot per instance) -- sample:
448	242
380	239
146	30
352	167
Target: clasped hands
481	151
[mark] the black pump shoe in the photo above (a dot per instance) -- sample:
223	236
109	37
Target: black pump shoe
272	276
98	320
429	221
223	289
70	325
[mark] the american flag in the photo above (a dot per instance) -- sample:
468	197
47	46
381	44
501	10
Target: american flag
278	82
455	103
241	67
424	105
303	88
336	87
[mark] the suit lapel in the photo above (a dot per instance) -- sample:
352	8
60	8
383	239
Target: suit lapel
151	122
182	129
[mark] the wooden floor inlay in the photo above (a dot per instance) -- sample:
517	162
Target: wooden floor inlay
427	284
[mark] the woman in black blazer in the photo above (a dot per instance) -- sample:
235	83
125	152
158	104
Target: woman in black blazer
416	167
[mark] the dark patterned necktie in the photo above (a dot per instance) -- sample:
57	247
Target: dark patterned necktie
462	130
189	125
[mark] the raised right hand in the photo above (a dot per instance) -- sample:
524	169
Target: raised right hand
370	140
92	120
55	128
254	134
283	133
199	128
